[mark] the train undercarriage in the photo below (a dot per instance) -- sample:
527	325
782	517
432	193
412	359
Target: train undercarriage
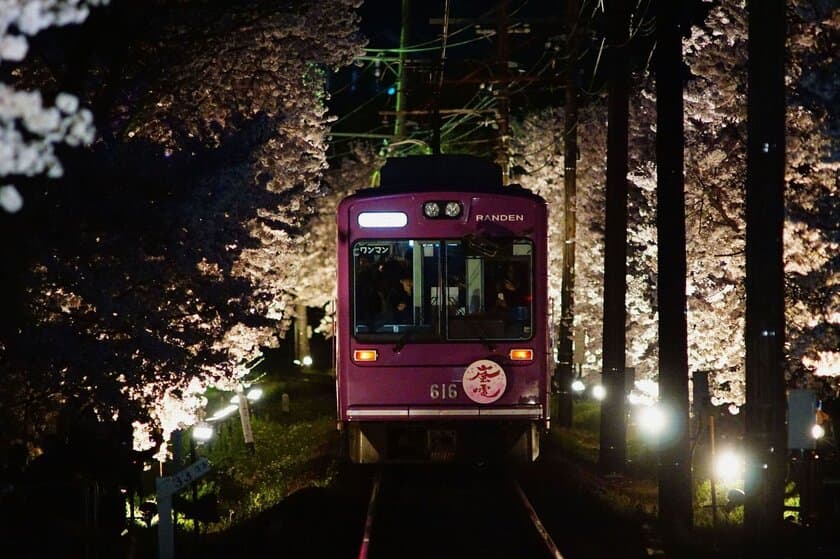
427	442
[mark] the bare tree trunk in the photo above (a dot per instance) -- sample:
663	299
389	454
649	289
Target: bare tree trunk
565	368
675	490
765	405
301	333
613	449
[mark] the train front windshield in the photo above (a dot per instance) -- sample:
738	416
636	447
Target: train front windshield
442	290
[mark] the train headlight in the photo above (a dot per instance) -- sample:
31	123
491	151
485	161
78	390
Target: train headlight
578	386
599	392
382	219
452	209
431	209
817	431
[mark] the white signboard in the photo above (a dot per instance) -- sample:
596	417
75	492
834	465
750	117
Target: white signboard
166	487
170	485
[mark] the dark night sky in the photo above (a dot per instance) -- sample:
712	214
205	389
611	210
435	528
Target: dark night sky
358	94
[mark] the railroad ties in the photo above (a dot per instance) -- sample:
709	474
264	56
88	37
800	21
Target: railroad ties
451	510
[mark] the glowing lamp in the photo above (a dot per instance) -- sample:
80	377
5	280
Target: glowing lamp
362	355
382	219
224	412
652	420
729	466
521	354
202	431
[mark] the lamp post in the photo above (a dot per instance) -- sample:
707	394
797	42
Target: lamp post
202	432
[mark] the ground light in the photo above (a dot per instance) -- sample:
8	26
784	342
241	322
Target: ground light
224	412
252	396
651	420
202	432
599	392
729	466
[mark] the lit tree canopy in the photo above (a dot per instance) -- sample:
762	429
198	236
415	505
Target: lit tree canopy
168	255
715	175
316	279
30	129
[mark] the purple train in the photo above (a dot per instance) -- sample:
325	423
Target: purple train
443	349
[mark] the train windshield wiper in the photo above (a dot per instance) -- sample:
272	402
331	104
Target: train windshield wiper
482	245
482	335
407	335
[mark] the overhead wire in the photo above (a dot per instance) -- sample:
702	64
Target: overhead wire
456	127
429	49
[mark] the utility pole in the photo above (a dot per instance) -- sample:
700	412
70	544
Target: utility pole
399	119
496	22
301	332
675	489
765	320
502	95
613	448
565	367
439	85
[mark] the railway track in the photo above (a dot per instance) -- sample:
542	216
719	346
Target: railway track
451	511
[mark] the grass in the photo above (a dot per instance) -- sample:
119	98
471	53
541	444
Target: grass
295	450
291	451
625	495
580	442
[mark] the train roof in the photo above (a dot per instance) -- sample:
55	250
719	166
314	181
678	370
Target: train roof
431	173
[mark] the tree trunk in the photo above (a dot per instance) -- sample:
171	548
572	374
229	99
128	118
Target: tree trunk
301	333
675	490
565	366
765	405
613	449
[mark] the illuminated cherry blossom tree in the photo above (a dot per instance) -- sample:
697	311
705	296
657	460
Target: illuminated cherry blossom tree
715	174
538	145
316	278
29	128
170	257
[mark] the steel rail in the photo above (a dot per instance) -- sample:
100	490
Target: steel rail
535	520
371	510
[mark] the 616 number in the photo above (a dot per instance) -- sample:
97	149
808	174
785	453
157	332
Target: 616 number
443	391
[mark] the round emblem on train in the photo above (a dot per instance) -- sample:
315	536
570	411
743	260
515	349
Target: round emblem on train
484	381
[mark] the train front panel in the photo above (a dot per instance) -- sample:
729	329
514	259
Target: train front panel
442	321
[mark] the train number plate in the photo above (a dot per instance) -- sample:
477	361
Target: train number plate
443	391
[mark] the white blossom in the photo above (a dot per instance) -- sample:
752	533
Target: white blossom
28	129
10	199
